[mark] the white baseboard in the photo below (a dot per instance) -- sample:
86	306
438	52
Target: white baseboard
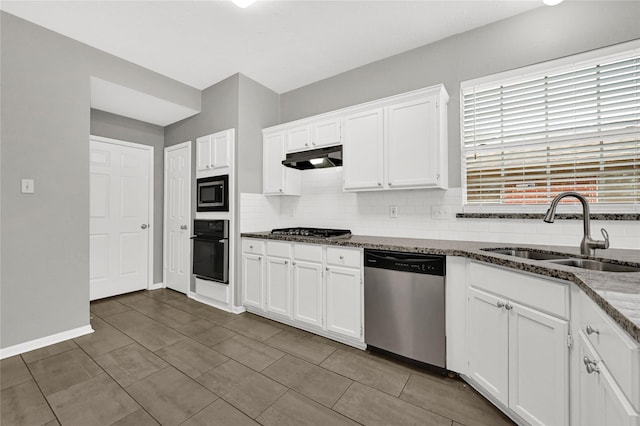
216	304
155	286
44	341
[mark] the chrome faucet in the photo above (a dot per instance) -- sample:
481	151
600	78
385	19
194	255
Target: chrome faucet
588	245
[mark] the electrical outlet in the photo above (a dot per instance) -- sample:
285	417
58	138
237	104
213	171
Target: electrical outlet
393	211
440	212
27	186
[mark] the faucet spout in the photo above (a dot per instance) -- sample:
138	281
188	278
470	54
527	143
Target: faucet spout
588	245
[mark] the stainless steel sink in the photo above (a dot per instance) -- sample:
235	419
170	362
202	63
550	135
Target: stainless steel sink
595	265
528	254
560	259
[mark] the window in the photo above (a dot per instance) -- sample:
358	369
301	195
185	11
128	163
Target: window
571	124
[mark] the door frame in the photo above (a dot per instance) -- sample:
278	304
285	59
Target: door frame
149	149
165	233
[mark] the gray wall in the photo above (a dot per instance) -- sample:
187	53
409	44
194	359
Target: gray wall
536	36
44	110
126	129
219	112
259	107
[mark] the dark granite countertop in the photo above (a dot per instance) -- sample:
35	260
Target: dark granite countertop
617	293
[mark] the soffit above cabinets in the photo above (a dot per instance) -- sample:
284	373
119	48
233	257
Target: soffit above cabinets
127	102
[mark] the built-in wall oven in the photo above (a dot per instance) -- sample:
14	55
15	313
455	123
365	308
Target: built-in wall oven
213	194
211	250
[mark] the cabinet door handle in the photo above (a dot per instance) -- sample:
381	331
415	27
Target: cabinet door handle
293	263
590	330
286	262
508	307
592	368
341	257
326	269
251	247
281	190
144	226
208	166
183	227
379	183
259	257
500	304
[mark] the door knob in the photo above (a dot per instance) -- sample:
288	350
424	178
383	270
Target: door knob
144	226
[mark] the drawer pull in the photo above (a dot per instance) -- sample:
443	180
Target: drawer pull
341	257
590	330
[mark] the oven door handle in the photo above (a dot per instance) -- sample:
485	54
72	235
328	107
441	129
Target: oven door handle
209	239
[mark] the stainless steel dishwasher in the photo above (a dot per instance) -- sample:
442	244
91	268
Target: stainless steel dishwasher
404	305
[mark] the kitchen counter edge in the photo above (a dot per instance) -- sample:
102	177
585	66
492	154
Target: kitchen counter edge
617	293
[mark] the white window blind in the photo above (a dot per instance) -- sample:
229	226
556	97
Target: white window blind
570	128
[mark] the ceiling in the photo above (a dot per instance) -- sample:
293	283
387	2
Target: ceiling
281	44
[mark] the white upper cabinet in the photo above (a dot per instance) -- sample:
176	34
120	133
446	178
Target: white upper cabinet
327	132
363	150
299	138
412	144
317	134
276	178
400	144
213	151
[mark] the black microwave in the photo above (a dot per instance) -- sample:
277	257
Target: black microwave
213	194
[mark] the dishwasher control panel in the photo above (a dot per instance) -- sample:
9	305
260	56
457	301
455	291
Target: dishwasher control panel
431	264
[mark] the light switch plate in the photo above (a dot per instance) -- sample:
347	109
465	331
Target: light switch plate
28	186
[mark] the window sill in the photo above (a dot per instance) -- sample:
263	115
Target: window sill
540	216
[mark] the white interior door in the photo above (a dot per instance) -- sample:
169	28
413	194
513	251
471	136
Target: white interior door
177	208
119	225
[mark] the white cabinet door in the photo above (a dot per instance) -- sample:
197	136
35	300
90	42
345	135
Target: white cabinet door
601	402
252	276
327	132
307	292
273	170
488	344
221	149
538	366
413	144
363	150
344	301
278	285
276	178
203	153
299	138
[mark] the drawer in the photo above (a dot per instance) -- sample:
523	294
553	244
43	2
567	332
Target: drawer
252	246
618	351
280	249
344	257
543	294
312	253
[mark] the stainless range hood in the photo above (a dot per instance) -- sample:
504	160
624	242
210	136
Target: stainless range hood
315	159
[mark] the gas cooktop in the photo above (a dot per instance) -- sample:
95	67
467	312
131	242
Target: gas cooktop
313	232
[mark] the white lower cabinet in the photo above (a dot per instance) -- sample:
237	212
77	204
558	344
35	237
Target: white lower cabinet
344	296
601	401
307	292
311	286
518	354
252	273
278	286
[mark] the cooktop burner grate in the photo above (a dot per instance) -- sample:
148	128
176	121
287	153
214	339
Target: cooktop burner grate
313	232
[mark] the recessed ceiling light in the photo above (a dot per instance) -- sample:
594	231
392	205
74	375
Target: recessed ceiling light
548	2
243	3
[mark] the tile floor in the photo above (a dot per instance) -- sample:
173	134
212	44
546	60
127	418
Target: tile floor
157	357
